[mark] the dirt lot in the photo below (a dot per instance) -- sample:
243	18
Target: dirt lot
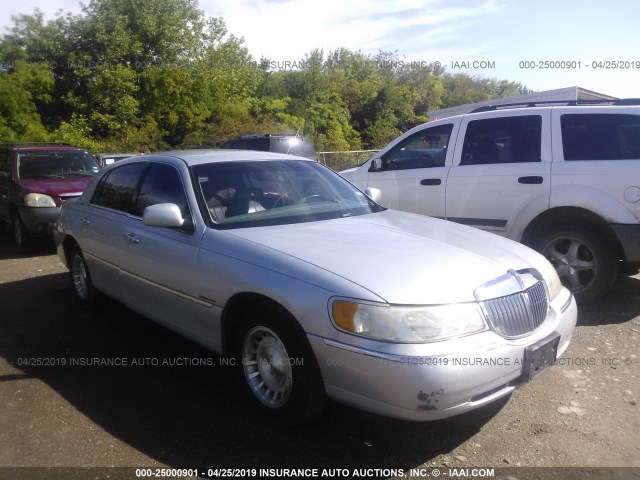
583	412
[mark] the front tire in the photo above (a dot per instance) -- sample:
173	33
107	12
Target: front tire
586	263
20	234
279	372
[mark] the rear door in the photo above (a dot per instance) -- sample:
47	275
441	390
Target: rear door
598	154
501	169
101	226
597	162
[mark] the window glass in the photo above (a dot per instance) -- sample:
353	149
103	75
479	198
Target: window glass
600	136
161	184
261	144
117	189
424	149
503	140
293	146
251	193
56	164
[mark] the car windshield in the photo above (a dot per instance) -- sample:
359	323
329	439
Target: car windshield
252	193
56	164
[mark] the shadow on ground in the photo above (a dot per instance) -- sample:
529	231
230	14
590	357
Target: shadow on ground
35	247
620	305
192	415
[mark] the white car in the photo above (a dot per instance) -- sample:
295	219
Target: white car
563	179
312	288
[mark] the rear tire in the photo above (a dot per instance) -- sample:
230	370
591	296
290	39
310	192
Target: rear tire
279	372
86	294
586	263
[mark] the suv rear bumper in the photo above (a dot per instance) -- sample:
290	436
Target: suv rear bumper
40	220
629	236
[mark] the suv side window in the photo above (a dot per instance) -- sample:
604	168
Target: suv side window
117	189
161	184
261	144
600	136
426	148
512	139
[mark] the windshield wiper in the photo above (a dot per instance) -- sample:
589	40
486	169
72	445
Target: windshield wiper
81	174
42	175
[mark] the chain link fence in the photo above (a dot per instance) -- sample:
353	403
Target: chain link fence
346	159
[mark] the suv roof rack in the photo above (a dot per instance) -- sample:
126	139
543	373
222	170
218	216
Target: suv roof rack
268	135
36	144
575	103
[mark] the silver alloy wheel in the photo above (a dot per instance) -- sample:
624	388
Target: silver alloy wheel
574	261
266	367
79	275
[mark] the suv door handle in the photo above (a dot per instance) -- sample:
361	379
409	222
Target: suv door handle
131	238
430	181
85	221
534	180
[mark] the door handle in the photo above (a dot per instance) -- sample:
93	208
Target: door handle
85	221
430	181
131	238
534	180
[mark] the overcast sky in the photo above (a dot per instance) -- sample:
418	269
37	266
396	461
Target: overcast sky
484	38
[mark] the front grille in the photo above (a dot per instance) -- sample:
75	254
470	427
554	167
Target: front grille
517	314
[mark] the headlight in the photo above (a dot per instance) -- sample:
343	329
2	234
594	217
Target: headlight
407	324
38	200
551	279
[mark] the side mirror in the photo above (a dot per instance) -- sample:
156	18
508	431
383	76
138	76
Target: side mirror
376	165
374	194
163	215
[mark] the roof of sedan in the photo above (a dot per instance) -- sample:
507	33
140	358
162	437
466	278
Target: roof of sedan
196	157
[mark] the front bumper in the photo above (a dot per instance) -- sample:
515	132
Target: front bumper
438	380
39	220
629	236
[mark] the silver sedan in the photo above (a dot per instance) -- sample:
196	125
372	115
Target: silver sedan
312	289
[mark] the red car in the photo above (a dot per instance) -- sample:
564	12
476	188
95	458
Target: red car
35	180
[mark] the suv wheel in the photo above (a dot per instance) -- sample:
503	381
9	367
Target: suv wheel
279	370
585	262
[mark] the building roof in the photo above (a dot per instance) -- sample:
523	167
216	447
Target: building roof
560	94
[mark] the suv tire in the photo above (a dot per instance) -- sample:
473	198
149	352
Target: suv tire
586	263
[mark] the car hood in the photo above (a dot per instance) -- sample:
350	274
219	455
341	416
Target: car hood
400	257
55	186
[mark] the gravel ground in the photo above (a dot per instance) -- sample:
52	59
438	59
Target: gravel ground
583	412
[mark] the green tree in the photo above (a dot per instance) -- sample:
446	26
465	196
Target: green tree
20	90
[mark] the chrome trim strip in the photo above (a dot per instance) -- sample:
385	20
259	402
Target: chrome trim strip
566	304
483	222
152	284
364	351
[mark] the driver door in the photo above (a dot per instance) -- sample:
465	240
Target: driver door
412	175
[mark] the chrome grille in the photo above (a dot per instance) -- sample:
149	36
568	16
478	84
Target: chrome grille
517	314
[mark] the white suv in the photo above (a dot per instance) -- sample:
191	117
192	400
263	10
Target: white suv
563	179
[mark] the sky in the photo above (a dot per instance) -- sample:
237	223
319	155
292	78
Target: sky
544	44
